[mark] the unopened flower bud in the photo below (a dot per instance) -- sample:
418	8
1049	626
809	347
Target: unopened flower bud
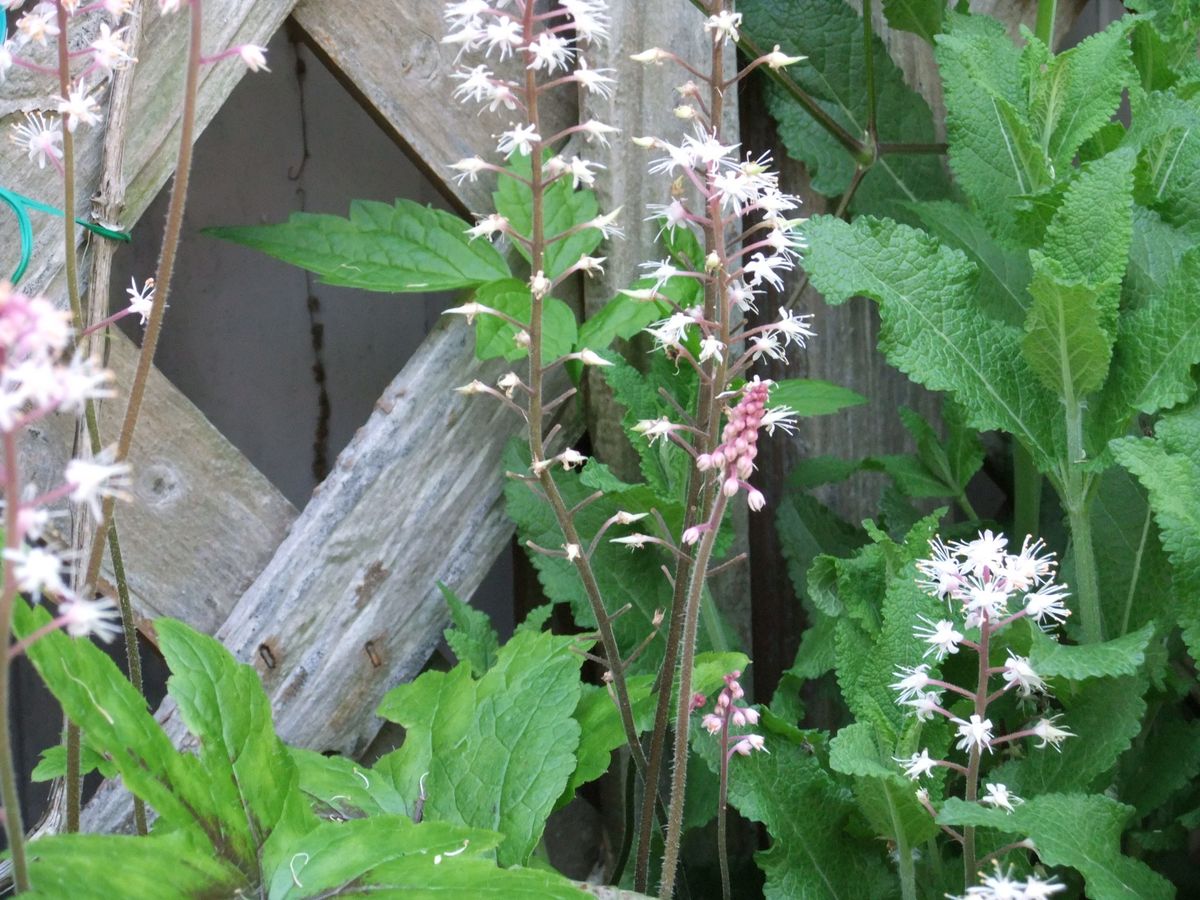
592	358
653	55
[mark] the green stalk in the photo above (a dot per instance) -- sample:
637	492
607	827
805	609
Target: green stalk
1044	27
1076	490
1027	492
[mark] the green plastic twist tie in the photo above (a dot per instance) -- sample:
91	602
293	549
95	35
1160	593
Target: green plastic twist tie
21	205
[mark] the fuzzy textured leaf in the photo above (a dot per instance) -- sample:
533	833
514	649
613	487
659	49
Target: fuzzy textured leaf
931	328
1078	830
1121	656
394	249
471	635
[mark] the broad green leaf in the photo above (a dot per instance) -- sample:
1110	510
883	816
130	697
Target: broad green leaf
173	865
345	787
1088	238
1065	341
1155	251
335	857
563	208
812	857
1168	467
633	575
499	751
414	877
1004	272
471	636
496	337
1164	42
249	769
807	529
1157	346
813	397
622	317
1167	761
884	794
98	697
993	153
921	17
931	328
1166	134
830	34
956	460
1120	656
1076	92
1105	715
1077	830
394	249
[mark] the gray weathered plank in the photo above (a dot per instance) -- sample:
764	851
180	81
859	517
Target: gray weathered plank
222	519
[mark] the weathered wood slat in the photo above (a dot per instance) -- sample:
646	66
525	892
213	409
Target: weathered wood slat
205	521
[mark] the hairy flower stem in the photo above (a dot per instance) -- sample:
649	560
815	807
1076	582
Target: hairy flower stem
722	797
972	791
166	268
73	773
683	711
8	773
583	565
1076	485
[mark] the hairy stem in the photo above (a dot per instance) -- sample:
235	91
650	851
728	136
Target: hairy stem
8	773
722	797
1076	490
972	791
1044	27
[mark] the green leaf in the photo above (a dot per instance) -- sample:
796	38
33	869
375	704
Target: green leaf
563	208
884	794
1166	762
921	17
1078	91
1065	341
413	878
250	771
1004	271
931	328
98	697
346	788
830	34
1077	830
53	763
499	751
394	249
811	856
623	317
1164	42
1166	134
496	337
957	460
168	865
1121	656
813	397
472	637
994	155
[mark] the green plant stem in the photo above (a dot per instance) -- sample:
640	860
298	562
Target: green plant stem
162	281
1044	27
1027	492
904	858
8	773
1076	489
869	71
1137	571
972	789
722	798
583	566
683	709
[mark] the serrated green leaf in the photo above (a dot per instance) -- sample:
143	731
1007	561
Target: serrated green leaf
811	856
1166	134
471	636
1164	42
921	17
174	865
97	696
1065	340
1004	271
496	337
955	463
1077	91
563	208
813	397
498	751
622	317
345	787
395	249
1167	760
53	763
1155	251
1078	830
993	154
250	772
807	529
829	33
413	878
931	328
1120	656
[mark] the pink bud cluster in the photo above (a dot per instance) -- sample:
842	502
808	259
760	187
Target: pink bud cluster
726	712
734	458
